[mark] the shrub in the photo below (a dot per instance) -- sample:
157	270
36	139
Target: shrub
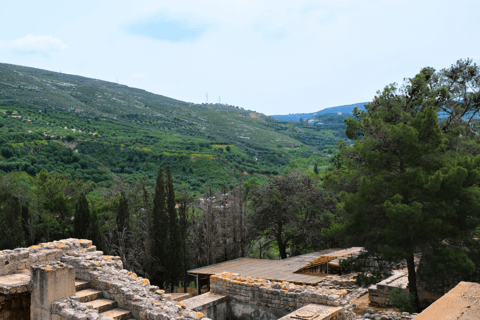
403	301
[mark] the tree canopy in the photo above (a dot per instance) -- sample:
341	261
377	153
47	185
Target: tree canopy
408	183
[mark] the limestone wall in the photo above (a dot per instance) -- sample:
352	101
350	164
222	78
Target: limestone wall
104	273
280	295
20	259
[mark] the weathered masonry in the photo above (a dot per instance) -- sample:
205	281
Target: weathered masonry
234	297
70	280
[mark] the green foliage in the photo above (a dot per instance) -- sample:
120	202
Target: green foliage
121	132
370	268
406	187
81	218
159	230
123	216
403	301
174	248
291	209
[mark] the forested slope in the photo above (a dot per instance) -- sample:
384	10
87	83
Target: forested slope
101	131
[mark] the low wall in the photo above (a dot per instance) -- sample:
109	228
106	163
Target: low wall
240	311
276	295
15	306
379	294
21	259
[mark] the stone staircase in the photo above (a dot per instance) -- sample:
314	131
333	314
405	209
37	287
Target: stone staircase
94	299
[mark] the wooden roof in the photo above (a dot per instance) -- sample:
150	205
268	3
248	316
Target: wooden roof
273	270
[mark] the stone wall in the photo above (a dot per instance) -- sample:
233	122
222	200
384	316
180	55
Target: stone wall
20	259
104	273
15	306
277	295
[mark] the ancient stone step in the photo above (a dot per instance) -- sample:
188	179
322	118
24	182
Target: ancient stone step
102	305
81	285
117	314
88	295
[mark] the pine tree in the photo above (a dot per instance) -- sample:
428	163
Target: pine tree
175	255
404	189
159	231
81	218
315	168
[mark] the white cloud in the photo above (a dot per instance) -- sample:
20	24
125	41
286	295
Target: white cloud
31	43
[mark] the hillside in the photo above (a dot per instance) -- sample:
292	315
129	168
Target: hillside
102	131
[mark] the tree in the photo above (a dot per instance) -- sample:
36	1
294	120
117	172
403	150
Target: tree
122	212
159	230
403	191
94	230
10	223
185	199
81	218
315	168
291	208
174	248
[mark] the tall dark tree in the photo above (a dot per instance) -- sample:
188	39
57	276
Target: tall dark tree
404	189
26	223
94	230
81	218
10	222
159	231
184	224
175	255
122	213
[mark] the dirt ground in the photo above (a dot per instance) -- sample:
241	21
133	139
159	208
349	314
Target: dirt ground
363	304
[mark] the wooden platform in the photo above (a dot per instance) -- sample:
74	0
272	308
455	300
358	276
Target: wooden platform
273	270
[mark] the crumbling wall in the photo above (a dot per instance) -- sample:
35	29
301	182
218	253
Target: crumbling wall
104	272
21	259
276	295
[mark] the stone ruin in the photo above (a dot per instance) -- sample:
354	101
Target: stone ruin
70	280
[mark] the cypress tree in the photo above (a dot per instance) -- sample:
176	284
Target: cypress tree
159	231
25	223
12	233
94	230
81	217
122	212
174	261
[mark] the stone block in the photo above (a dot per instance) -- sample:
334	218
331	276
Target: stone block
50	282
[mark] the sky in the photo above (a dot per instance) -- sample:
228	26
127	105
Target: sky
270	56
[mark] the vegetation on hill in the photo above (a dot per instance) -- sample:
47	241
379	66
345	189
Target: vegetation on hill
112	131
84	157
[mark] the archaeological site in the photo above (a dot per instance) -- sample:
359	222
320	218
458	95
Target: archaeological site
70	280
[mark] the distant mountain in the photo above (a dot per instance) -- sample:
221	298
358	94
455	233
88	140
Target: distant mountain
294	117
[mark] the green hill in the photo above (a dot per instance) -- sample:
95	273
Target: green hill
102	131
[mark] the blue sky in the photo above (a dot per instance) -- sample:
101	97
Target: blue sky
274	57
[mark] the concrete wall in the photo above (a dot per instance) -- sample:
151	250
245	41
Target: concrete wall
15	306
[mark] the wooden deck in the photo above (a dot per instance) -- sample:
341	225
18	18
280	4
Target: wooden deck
273	270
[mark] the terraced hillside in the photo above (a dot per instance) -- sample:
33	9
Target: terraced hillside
129	133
